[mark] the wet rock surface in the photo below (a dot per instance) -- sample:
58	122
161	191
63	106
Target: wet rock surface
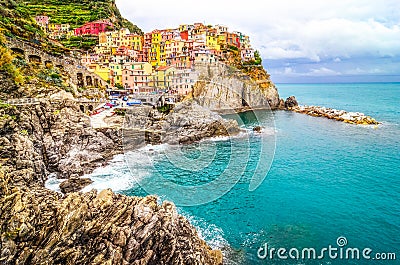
291	102
187	123
53	138
74	184
339	115
39	226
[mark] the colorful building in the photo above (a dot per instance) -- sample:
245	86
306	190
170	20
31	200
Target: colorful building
101	71
94	28
232	39
42	21
183	81
58	31
247	54
115	75
212	40
163	77
162	59
137	76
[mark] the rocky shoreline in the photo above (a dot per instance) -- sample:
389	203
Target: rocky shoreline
339	115
356	118
38	225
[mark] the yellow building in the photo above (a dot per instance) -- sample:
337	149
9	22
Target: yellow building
212	41
103	72
103	39
156	49
155	36
183	27
53	27
163	77
222	41
154	56
113	49
136	42
115	73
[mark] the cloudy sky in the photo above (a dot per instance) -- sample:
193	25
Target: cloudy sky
300	41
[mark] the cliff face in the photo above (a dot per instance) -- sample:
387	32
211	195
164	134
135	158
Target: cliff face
37	226
54	138
187	123
224	88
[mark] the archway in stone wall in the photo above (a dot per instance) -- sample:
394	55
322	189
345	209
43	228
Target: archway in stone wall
34	58
89	81
82	108
20	53
96	82
79	77
90	108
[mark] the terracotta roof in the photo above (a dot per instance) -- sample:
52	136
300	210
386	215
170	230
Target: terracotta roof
163	68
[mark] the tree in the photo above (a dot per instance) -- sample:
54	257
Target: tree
257	58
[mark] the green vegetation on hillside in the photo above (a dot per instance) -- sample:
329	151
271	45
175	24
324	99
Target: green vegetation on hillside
8	63
17	19
78	12
80	42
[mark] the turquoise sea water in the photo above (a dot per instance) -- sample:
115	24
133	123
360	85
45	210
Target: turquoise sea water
327	179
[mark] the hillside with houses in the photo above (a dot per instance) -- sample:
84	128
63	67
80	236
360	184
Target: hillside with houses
158	60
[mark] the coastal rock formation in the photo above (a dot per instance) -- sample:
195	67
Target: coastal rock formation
339	115
190	122
74	184
291	102
187	123
225	89
52	138
38	226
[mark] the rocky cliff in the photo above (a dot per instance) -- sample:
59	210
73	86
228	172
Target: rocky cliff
37	140
187	123
39	226
224	88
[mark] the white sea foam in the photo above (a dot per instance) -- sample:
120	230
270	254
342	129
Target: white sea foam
53	183
212	234
117	175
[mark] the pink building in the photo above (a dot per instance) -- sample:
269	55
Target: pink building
135	79
42	21
167	35
94	28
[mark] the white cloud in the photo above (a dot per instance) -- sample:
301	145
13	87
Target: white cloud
323	71
288	71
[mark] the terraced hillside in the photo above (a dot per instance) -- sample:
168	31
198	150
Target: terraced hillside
78	12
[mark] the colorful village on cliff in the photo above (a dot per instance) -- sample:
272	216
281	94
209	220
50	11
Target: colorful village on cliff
158	60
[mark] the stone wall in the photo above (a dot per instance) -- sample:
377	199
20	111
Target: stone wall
79	75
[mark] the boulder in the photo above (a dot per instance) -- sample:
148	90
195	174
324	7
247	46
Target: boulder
291	102
74	184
